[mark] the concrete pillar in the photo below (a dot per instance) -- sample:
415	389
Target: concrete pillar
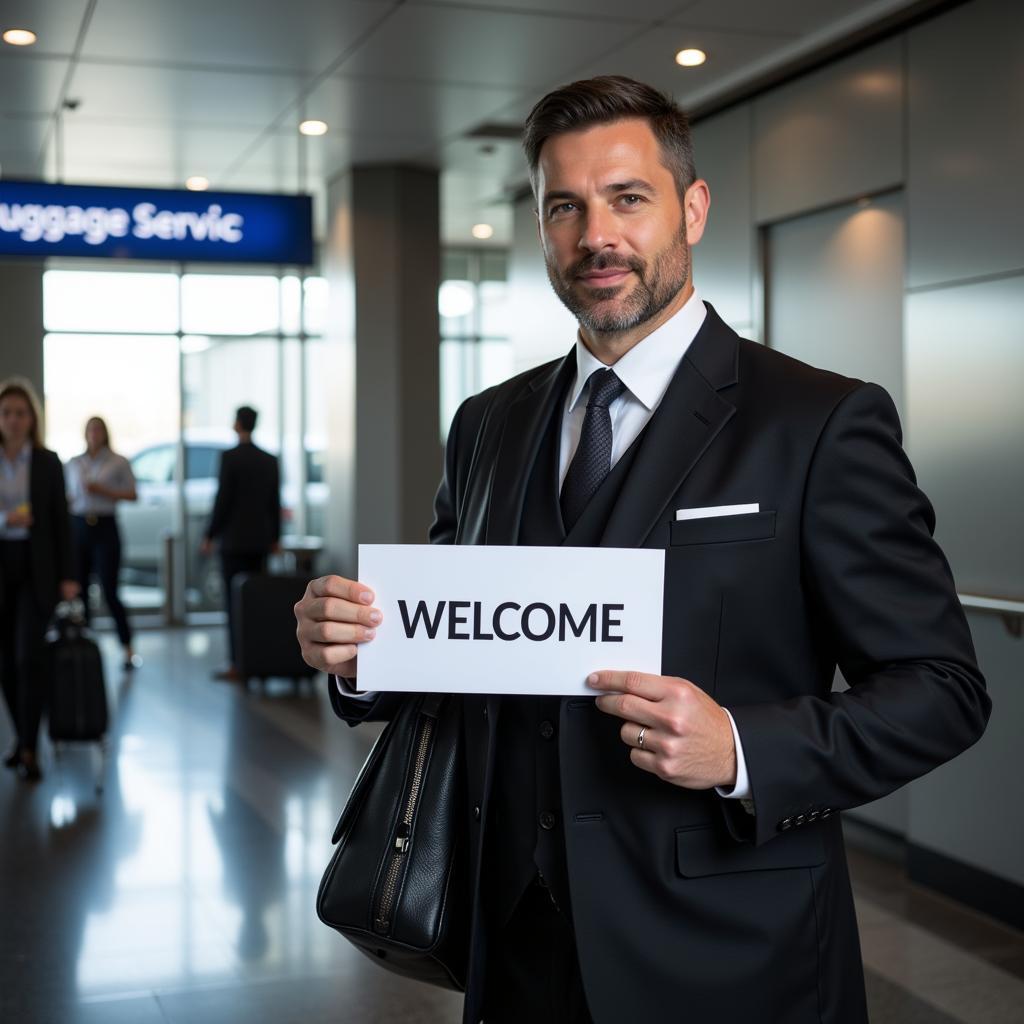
383	262
21	304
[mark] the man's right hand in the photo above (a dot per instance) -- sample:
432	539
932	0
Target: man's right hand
334	616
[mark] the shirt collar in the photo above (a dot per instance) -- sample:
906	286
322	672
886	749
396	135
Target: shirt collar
647	368
22	457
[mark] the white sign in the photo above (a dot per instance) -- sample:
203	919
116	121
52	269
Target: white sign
514	620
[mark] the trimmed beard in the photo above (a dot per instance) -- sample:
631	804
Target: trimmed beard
656	286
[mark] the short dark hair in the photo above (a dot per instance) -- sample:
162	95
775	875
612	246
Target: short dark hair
245	417
605	100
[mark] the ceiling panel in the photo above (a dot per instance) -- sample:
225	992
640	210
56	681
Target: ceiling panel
183	150
21	143
164	95
466	45
497	162
55	22
467	200
30	85
389	107
798	17
651	58
277	154
638	10
304	36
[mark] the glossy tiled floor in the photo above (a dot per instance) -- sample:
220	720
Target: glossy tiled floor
184	893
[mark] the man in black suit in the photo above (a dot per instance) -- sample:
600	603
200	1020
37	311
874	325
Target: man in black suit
246	518
673	851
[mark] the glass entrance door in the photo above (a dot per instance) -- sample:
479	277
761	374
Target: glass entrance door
166	359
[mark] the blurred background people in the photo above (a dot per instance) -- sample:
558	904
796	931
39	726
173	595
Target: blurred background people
246	517
97	480
36	564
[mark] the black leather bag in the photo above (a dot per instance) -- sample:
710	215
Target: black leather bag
396	886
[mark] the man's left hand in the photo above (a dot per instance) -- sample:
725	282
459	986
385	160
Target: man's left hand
687	738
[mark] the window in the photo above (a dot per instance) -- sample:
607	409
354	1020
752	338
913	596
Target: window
472	305
201	461
166	358
155	465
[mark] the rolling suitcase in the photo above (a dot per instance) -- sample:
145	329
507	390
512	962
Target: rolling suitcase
78	695
265	644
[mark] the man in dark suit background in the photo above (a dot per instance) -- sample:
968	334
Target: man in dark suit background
680	857
246	517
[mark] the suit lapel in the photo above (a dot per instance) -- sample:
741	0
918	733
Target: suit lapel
35	484
688	419
524	427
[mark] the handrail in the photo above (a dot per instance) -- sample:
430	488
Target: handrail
1012	612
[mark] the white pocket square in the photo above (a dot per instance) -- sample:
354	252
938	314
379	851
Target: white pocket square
716	510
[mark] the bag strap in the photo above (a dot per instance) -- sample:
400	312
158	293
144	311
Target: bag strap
432	704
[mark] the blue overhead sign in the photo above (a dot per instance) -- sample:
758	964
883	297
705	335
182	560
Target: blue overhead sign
39	219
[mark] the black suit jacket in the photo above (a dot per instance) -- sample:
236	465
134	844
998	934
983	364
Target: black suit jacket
247	510
685	907
50	533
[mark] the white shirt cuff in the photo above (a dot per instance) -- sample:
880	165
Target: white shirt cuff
350	692
741	791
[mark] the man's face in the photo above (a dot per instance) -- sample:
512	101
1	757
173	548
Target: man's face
611	225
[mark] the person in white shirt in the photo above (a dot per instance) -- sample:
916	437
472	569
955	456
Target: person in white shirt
97	480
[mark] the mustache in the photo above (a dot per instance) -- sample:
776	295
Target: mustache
605	261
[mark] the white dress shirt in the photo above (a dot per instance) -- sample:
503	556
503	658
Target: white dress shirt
14	490
105	467
647	370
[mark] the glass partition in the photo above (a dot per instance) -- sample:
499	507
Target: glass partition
166	358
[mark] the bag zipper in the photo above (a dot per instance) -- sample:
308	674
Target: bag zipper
403	834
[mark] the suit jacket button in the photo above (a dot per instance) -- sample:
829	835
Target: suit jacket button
547	730
826	812
547	820
785	825
814	815
476	813
799	819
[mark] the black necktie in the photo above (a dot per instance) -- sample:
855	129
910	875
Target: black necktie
593	458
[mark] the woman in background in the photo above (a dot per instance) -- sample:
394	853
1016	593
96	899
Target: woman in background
97	480
35	564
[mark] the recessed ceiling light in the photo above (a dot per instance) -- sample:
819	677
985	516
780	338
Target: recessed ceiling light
19	37
313	127
691	58
482	231
197	183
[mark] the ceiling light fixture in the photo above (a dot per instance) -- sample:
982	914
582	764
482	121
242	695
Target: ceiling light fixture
313	127
19	37
691	58
482	231
197	183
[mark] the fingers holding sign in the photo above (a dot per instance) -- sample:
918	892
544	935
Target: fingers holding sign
334	616
673	728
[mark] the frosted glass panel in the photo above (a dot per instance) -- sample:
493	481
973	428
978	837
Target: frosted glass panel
965	426
835	291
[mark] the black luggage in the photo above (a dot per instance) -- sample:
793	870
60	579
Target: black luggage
78	695
265	643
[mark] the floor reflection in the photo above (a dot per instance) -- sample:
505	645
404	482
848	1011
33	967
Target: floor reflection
185	892
196	868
